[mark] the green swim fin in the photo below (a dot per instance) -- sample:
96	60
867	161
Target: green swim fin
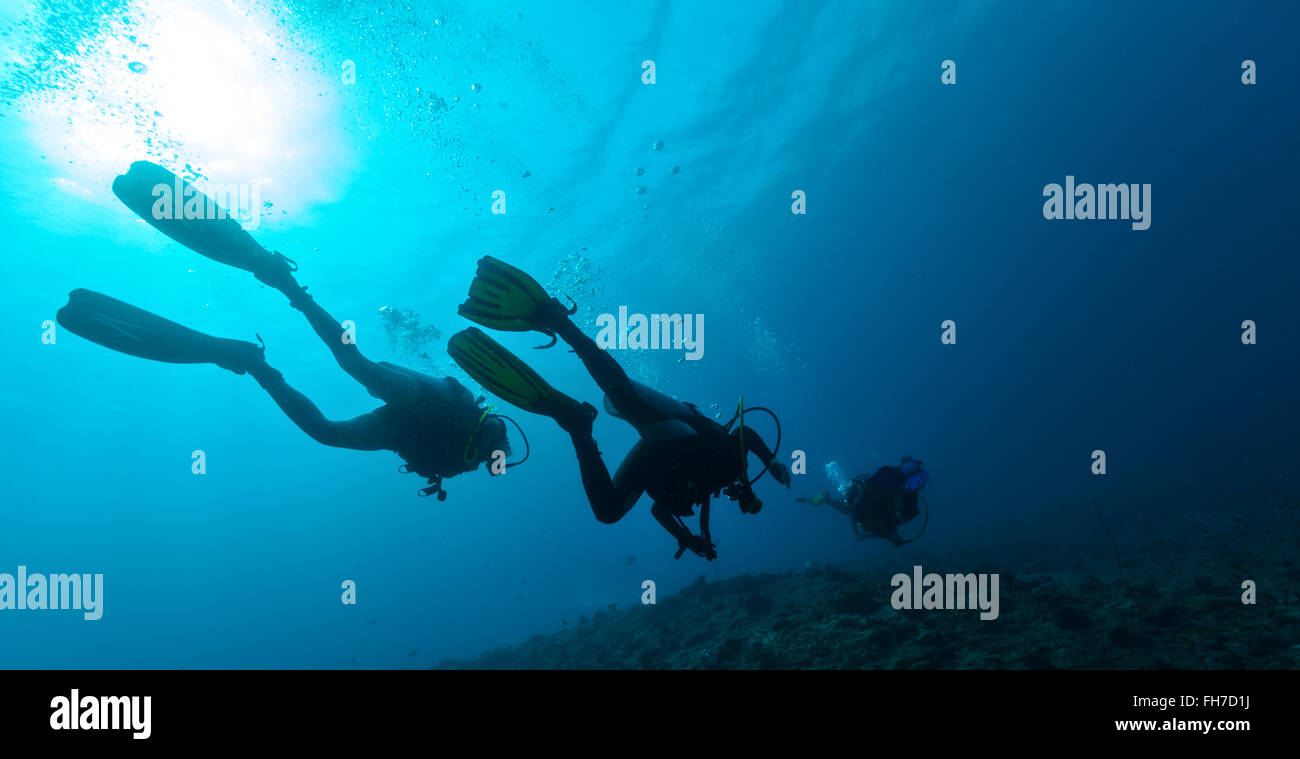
504	375
127	329
165	200
505	298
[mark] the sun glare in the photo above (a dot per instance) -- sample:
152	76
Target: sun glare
211	90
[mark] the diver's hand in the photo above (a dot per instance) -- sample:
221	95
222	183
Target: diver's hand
696	544
780	471
709	552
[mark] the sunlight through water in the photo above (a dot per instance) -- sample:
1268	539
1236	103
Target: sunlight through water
216	92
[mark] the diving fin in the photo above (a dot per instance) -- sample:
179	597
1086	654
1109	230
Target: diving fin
502	373
505	298
165	200
126	329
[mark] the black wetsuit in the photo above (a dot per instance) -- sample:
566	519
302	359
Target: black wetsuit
678	473
425	420
879	504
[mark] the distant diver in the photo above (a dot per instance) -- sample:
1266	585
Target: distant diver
434	424
683	458
879	504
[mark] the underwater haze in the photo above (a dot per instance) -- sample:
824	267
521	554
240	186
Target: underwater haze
393	144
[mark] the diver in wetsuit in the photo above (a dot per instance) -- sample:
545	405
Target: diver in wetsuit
435	424
683	458
878	504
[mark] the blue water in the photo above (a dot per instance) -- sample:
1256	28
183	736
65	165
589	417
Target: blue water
924	203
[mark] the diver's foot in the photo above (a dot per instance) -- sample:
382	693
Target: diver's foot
506	298
577	419
552	316
276	270
242	357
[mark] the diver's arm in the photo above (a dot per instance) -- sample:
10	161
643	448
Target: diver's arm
674	528
686	541
754	444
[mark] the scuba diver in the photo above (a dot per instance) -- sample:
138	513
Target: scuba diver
878	504
434	424
683	458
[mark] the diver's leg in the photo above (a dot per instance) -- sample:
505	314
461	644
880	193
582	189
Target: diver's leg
385	384
364	433
605	370
825	498
610	499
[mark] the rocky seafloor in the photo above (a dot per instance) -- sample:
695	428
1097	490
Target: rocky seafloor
1159	605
